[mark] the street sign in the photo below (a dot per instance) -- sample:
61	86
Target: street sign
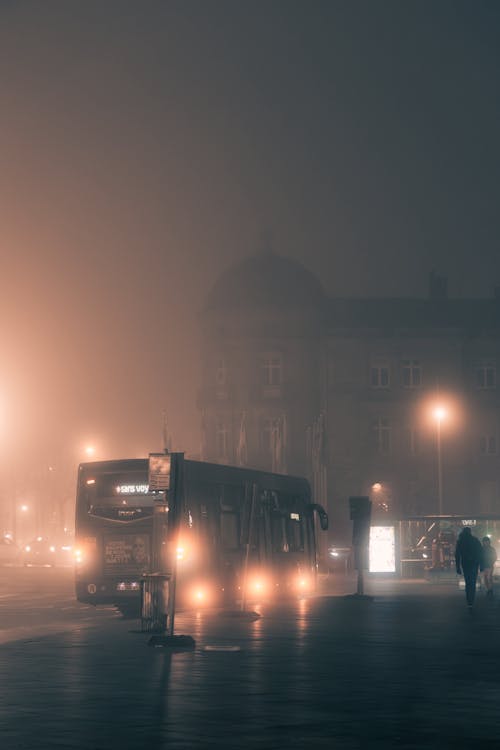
360	511
360	508
159	471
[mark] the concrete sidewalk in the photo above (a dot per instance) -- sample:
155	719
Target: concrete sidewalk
410	668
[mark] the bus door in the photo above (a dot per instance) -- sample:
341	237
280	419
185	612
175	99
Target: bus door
267	507
231	502
249	524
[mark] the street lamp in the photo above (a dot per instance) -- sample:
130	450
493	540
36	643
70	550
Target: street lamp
439	413
380	493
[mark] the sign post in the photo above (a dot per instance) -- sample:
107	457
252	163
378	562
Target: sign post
360	514
166	477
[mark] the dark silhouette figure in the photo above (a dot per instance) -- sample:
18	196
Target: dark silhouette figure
469	559
489	559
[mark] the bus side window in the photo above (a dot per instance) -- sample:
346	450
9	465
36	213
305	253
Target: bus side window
295	532
229	503
249	516
200	501
278	532
229	531
294	520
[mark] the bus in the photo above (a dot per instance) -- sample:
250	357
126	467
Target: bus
242	533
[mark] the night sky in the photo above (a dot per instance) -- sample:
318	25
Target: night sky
146	146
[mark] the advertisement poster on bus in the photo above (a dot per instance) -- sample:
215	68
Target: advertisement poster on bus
127	551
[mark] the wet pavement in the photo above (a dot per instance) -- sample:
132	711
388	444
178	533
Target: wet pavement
410	668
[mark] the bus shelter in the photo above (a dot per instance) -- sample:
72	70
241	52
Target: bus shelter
426	544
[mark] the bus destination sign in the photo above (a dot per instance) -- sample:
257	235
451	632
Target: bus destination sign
159	472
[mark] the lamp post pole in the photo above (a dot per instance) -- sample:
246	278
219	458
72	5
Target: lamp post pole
440	413
440	467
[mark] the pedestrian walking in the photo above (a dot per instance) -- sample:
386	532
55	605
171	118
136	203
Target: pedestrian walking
469	560
489	559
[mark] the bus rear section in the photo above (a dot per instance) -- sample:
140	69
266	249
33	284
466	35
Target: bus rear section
114	523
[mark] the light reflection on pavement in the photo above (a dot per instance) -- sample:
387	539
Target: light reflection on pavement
410	669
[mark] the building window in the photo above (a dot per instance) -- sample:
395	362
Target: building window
379	376
267	438
271	369
488	445
381	428
411	441
221	371
486	374
273	442
221	439
488	496
411	373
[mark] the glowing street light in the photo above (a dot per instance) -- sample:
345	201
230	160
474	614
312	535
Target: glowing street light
90	451
380	496
439	413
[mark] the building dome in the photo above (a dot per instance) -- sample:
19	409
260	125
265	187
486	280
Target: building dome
265	280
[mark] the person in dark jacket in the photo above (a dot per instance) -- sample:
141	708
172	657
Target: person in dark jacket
489	559
469	559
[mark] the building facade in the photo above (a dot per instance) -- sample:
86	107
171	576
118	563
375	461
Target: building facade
397	399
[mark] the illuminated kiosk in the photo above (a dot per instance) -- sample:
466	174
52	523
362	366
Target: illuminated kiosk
382	549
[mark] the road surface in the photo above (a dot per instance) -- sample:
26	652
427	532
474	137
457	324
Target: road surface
409	669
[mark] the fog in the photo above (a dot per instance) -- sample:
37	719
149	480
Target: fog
147	146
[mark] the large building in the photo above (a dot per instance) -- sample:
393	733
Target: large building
397	399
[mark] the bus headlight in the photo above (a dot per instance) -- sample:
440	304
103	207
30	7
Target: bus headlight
201	595
302	583
84	552
185	552
258	585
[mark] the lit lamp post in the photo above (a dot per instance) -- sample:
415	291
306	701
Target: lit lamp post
439	414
